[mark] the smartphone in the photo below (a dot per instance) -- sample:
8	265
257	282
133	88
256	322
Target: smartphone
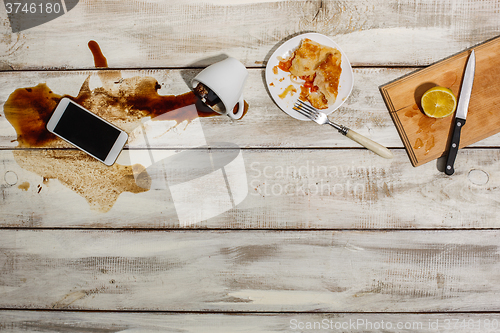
86	131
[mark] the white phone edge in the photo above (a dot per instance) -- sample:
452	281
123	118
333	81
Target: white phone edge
57	114
117	146
116	149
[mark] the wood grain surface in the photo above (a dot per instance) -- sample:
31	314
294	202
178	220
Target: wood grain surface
349	271
264	126
288	189
70	321
328	230
148	33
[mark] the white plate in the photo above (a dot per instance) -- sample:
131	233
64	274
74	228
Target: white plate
282	80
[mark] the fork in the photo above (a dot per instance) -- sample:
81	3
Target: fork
321	118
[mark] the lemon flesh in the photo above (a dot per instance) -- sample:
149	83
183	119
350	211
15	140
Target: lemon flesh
438	102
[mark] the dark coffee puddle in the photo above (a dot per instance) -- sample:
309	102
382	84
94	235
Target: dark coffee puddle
122	101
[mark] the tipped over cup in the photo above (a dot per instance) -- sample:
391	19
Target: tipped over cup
220	87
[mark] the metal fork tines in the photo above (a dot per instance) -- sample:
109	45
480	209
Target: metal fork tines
317	116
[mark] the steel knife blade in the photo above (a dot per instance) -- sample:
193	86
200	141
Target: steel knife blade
461	113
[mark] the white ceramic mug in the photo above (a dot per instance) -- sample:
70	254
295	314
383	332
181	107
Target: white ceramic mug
226	79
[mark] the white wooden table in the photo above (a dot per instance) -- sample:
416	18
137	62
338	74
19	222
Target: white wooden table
387	247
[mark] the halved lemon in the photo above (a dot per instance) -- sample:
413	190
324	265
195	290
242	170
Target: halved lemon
439	102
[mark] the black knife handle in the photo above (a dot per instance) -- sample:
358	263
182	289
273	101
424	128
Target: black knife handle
455	142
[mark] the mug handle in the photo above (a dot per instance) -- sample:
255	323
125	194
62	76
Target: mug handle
239	113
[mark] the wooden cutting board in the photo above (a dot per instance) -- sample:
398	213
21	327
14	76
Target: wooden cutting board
426	138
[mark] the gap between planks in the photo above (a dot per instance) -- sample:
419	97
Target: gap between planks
81	69
250	312
248	229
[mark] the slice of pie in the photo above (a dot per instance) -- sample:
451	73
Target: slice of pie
319	67
328	75
308	56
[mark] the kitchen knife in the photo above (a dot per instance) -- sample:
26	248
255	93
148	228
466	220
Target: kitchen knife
461	113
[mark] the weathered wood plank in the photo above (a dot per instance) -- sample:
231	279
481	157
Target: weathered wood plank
264	271
265	125
142	34
68	321
286	189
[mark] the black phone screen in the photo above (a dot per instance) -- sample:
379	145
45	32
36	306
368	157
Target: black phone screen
86	131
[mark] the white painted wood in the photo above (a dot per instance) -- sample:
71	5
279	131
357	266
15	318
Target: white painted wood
149	33
265	125
68	321
245	270
287	189
369	144
409	271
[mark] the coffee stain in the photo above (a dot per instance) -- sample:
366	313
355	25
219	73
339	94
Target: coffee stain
121	101
99	58
28	110
24	186
99	184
